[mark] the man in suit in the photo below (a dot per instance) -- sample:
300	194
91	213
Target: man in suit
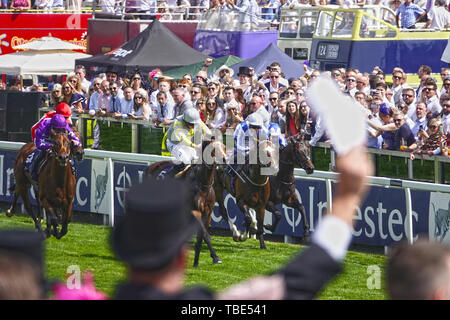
152	241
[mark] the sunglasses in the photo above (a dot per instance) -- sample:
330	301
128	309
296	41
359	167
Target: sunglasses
182	86
273	99
290	93
299	93
446	105
74	80
428	89
97	84
407	95
211	104
335	74
432	127
274	77
138	97
397	120
351	80
211	88
113	88
136	78
66	87
396	77
446	84
195	92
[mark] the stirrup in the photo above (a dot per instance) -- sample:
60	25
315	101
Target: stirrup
179	174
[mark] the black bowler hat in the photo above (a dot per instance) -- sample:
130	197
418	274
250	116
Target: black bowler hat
245	71
157	223
27	244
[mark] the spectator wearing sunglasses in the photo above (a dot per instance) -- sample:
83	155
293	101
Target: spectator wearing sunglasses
445	76
432	100
274	83
434	139
350	82
397	86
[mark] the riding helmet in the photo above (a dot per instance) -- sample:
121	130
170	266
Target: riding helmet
63	109
58	122
191	115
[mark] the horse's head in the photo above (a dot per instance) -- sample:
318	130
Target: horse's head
301	153
213	151
61	146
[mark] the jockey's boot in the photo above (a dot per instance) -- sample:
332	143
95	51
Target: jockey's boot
34	167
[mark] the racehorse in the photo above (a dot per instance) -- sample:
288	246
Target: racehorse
251	194
282	185
56	184
203	196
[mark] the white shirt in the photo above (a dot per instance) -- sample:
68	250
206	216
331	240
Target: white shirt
419	122
433	104
439	17
446	123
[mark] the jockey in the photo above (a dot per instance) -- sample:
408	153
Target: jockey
248	133
184	138
43	144
62	108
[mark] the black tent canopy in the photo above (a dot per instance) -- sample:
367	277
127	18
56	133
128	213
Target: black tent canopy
155	47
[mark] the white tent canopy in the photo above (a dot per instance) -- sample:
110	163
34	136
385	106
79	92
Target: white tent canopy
49	43
44	56
40	62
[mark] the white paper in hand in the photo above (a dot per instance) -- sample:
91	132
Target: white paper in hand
343	118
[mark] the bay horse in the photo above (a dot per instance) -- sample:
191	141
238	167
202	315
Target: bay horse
251	194
282	185
56	184
203	197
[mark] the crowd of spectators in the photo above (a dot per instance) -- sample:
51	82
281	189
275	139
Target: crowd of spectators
400	117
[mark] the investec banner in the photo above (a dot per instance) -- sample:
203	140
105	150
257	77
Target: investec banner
380	220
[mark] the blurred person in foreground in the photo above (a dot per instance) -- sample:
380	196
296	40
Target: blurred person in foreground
420	271
152	241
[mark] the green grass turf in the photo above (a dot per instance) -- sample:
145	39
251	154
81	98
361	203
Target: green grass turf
88	247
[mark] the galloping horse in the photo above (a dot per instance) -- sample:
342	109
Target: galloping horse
203	197
56	184
252	194
282	185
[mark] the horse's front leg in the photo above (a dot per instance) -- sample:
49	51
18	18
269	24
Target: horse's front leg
260	212
224	215
52	221
205	222
270	206
247	219
301	208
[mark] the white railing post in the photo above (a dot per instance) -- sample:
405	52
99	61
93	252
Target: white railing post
110	165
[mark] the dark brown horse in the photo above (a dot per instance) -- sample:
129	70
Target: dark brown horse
282	185
252	195
56	184
203	198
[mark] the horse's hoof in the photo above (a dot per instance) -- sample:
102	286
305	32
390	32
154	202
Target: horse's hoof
243	237
217	261
9	213
237	237
195	265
